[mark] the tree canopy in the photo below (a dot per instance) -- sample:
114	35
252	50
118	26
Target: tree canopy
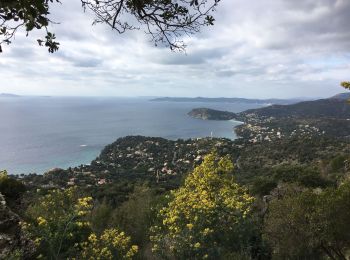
30	14
165	21
313	224
345	84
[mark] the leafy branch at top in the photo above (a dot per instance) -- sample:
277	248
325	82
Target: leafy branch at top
30	14
345	84
165	21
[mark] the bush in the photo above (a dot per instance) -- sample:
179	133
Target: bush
59	224
310	225
11	188
263	186
338	163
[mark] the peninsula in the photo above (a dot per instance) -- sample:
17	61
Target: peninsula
211	114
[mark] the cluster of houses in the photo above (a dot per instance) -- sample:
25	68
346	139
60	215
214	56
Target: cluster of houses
306	130
264	129
156	157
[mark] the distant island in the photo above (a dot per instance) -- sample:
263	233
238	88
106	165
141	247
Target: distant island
229	100
8	95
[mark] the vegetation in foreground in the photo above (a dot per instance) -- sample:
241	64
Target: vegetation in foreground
210	216
286	197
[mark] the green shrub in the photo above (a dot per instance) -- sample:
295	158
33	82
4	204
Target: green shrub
11	188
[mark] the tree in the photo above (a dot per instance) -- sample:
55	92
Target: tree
338	163
100	217
288	227
310	225
11	188
15	14
206	217
345	84
166	21
333	221
134	216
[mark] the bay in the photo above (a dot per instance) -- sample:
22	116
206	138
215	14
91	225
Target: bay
41	133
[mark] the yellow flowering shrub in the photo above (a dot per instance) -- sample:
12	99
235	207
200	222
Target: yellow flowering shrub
112	244
59	226
204	217
58	221
345	84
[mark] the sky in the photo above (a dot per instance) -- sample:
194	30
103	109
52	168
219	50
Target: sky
256	49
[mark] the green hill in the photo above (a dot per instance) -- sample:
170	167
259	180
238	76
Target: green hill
322	108
211	114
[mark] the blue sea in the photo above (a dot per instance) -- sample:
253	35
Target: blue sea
41	133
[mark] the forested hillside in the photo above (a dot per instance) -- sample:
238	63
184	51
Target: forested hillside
329	108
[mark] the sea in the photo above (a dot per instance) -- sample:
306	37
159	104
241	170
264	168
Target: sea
41	133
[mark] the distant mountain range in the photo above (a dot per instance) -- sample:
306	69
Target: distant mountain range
336	107
8	95
228	100
322	108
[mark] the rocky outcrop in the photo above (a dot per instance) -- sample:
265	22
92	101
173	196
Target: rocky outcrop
12	237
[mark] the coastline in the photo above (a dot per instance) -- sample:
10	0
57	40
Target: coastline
56	138
237	121
89	156
235	128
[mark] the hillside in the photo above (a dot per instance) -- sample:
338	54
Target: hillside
341	96
324	117
335	107
322	108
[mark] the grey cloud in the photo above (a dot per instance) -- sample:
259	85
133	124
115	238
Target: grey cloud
308	5
271	48
91	63
86	59
225	73
18	52
193	58
316	25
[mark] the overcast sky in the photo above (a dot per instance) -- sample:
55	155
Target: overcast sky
257	49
